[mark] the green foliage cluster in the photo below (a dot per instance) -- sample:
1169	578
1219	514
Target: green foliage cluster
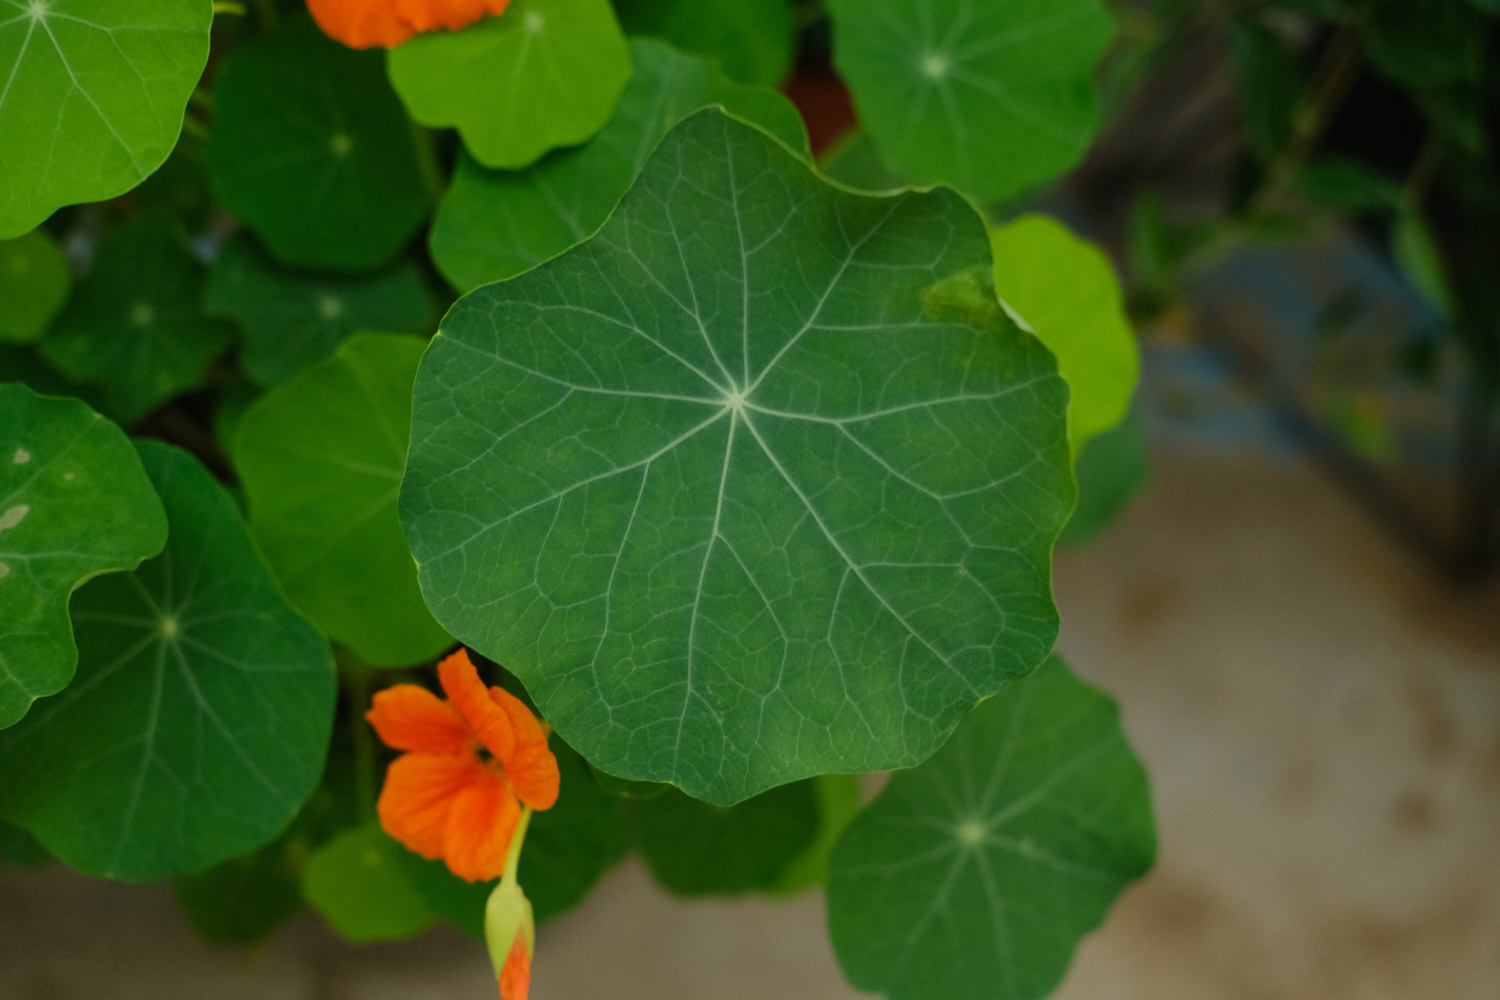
551	336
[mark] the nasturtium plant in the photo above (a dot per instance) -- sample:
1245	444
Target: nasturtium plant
34	284
135	326
1111	469
545	74
320	459
199	719
992	98
290	319
311	149
573	844
361	882
93	98
707	483
1064	290
753	40
74	503
976	874
494	224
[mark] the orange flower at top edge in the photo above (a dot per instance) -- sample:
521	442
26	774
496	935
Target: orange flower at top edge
365	24
445	797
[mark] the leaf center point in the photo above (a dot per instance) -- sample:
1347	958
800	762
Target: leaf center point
734	400
936	65
971	833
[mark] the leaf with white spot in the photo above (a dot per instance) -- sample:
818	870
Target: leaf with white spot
292	319
320	458
544	74
745	488
199	720
494	224
993	98
92	94
74	503
976	874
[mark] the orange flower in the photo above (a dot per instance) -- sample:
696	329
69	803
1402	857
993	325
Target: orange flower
364	24
472	762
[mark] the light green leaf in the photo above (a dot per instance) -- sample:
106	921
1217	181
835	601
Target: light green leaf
1064	290
1112	468
135	327
74	503
993	98
320	458
200	717
767	509
293	318
495	224
976	874
313	151
93	98
544	74
34	284
753	40
695	849
361	882
1420	260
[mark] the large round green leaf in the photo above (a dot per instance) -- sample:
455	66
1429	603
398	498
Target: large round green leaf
744	488
975	875
312	149
544	74
754	40
293	318
34	283
135	326
494	224
1064	290
990	97
200	718
92	97
320	458
74	503
363	884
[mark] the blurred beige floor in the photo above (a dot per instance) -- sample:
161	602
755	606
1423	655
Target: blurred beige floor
1320	719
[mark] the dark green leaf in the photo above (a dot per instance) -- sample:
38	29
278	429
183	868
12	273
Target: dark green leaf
1111	469
1345	184
19	848
293	318
74	503
753	40
320	458
695	849
855	161
362	884
544	74
570	846
838	803
311	148
93	98
134	326
976	874
495	224
199	720
34	283
763	514
993	98
1270	81
1427	46
1420	260
244	899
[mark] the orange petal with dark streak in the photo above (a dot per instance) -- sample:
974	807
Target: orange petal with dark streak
420	794
408	717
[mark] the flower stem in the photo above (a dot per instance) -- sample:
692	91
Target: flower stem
513	857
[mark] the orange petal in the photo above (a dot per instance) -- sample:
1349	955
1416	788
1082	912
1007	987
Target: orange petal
531	767
425	15
467	692
408	717
364	24
479	829
515	978
419	797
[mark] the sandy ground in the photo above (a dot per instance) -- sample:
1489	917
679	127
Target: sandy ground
1321	721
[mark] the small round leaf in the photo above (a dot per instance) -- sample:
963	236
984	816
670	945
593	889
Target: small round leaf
34	283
